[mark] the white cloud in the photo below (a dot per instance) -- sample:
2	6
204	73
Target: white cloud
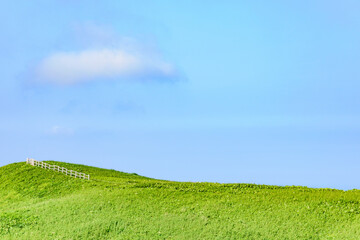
59	130
66	68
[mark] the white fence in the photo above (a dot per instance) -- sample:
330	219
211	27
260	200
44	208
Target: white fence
45	165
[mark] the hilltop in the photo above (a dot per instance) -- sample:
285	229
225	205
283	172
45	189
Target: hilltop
37	203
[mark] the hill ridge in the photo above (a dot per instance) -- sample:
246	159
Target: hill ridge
43	204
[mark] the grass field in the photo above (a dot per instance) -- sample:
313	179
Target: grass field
42	204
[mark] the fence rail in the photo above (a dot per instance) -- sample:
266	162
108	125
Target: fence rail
45	165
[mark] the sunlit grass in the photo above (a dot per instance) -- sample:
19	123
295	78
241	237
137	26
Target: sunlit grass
42	204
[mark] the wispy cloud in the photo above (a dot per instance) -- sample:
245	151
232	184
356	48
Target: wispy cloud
75	67
59	130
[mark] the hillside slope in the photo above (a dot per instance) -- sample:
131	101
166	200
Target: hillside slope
42	204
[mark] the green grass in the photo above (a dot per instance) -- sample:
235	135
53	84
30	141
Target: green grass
42	204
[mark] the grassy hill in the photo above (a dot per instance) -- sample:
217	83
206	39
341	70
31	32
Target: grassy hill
42	204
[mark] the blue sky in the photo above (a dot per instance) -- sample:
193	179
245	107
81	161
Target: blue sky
261	92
